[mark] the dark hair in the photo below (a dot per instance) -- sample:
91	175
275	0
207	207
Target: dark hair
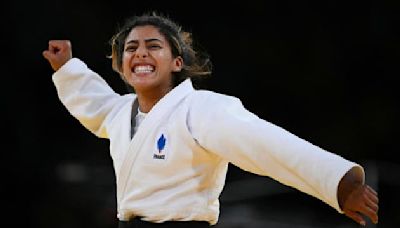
194	63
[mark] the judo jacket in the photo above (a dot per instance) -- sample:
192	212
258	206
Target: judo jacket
174	167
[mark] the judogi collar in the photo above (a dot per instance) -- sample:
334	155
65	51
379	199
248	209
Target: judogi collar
153	118
170	99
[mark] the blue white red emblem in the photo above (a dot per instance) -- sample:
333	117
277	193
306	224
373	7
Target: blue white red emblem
161	143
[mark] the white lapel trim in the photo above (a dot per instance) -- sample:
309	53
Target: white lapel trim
162	107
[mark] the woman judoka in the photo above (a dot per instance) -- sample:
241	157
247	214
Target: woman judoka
171	144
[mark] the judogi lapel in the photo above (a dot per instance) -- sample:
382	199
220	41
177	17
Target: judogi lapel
164	106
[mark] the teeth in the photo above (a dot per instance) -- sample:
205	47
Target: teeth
144	69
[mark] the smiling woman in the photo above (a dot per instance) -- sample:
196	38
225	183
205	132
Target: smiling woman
148	63
154	54
171	143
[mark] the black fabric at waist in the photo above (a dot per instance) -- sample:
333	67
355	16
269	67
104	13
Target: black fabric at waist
138	223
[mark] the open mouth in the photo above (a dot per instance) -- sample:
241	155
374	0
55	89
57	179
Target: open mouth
143	69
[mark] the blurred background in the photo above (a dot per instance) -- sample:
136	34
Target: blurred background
325	70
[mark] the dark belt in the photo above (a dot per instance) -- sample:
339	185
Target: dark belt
137	222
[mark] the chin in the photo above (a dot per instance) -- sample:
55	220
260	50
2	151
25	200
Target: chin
143	85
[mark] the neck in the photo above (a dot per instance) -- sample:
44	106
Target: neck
147	100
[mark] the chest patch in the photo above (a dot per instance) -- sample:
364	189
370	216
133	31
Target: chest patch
161	144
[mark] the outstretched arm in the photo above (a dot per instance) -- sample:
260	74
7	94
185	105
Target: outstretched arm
357	199
255	145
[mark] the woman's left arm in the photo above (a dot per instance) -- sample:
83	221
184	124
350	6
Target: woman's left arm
230	131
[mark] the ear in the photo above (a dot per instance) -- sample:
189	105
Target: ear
177	64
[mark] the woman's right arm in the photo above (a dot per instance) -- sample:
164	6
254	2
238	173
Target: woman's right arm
83	92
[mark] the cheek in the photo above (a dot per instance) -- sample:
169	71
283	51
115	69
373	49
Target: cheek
125	63
164	59
166	56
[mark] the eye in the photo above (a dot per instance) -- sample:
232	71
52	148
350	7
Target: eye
154	46
130	49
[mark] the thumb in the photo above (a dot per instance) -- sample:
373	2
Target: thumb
47	54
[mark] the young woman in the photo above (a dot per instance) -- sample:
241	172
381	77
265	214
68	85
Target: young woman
171	144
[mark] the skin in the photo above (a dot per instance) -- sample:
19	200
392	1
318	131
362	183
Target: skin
58	53
146	46
357	199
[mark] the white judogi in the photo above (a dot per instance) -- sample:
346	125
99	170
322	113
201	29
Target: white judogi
175	166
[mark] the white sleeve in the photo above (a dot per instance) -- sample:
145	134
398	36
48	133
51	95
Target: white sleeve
86	96
226	128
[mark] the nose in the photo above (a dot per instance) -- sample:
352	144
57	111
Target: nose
141	52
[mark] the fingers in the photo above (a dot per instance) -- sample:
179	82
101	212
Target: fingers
59	45
374	207
364	201
372	194
371	202
371	190
356	217
58	53
372	214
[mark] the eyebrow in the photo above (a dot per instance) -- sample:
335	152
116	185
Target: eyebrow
146	41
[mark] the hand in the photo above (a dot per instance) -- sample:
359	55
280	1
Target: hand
357	199
363	200
58	53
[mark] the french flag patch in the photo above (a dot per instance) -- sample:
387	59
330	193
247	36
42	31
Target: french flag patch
161	143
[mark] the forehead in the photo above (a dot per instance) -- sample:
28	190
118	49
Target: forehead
144	32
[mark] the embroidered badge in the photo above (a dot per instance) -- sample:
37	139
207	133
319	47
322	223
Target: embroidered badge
161	142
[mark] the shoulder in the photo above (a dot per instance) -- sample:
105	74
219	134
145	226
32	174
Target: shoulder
209	103
211	98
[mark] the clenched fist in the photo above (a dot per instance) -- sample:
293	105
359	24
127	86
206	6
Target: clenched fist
58	53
